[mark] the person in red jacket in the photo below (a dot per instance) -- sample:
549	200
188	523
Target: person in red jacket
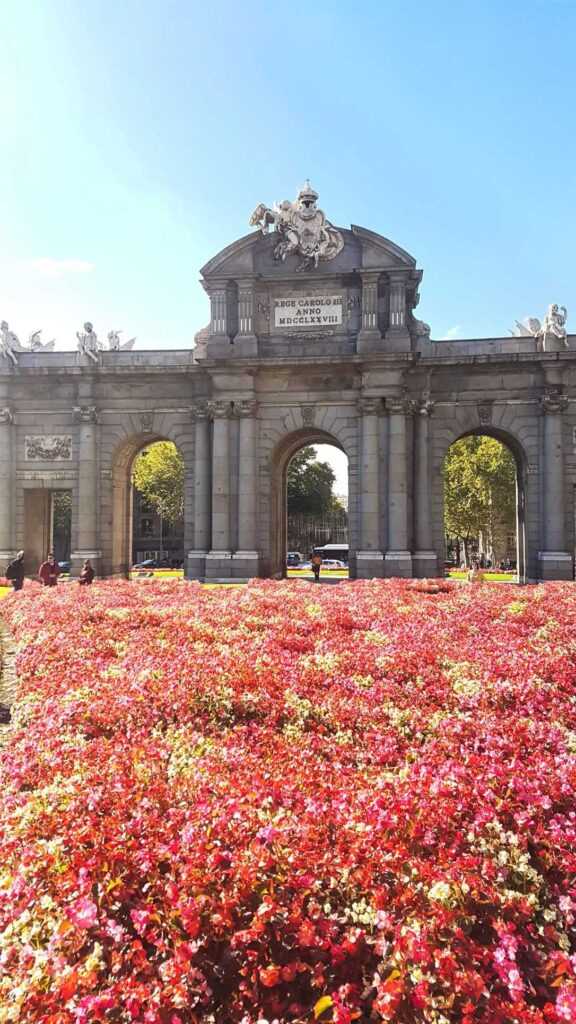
49	572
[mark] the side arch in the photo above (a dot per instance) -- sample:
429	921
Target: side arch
525	556
120	511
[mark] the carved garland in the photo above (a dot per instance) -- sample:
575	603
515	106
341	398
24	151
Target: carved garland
48	448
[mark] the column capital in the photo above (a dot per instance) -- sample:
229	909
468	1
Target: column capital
6	415
553	402
246	407
218	410
425	406
369	406
400	405
200	411
85	414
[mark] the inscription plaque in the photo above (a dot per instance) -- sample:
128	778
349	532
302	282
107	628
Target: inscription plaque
307	311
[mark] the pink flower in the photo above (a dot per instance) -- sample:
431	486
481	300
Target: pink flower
83	913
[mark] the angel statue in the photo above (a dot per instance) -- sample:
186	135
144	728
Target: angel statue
35	345
88	344
554	323
115	345
9	343
303	229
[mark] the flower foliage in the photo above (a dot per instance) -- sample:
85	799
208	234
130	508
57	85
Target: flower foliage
288	803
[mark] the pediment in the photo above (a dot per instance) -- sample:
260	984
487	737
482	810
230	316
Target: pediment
253	255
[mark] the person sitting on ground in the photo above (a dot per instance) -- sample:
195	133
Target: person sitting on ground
49	572
87	575
15	571
316	565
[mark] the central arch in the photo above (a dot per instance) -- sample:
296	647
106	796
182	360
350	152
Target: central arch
283	453
122	498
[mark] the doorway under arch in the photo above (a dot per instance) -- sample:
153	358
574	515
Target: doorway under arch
493	520
283	455
123	499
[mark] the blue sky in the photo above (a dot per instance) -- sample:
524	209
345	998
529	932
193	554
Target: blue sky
138	137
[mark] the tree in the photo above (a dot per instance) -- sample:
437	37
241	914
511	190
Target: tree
158	474
310	485
480	492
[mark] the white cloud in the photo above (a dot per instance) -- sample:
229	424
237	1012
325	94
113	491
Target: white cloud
451	333
48	267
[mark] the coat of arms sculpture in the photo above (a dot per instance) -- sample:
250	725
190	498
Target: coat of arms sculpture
302	227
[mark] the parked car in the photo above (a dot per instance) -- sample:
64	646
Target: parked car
293	559
64	566
148	563
333	563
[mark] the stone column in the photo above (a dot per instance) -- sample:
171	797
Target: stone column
246	338
369	559
369	337
245	561
425	558
202	485
398	558
7	483
555	561
219	559
86	504
397	335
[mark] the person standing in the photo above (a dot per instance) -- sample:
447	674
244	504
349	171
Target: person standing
15	571
316	565
87	575
49	572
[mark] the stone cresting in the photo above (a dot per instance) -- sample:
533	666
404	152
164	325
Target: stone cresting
256	388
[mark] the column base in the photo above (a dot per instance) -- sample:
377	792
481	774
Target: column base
218	565
555	565
369	341
245	345
424	564
398	563
195	565
369	565
245	564
77	559
397	339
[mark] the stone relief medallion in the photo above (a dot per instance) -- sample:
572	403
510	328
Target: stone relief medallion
48	448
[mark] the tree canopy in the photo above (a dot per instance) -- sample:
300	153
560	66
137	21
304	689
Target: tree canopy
158	473
479	489
310	485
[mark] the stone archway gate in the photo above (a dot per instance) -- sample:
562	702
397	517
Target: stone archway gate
293	353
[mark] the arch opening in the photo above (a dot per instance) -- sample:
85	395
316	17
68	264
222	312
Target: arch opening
310	505
485	504
148	504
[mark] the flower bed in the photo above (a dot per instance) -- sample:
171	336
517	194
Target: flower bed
287	803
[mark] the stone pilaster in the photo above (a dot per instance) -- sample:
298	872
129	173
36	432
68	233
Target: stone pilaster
555	561
196	562
219	311
7	550
398	558
245	336
87	497
369	336
246	559
425	558
219	558
369	559
397	334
